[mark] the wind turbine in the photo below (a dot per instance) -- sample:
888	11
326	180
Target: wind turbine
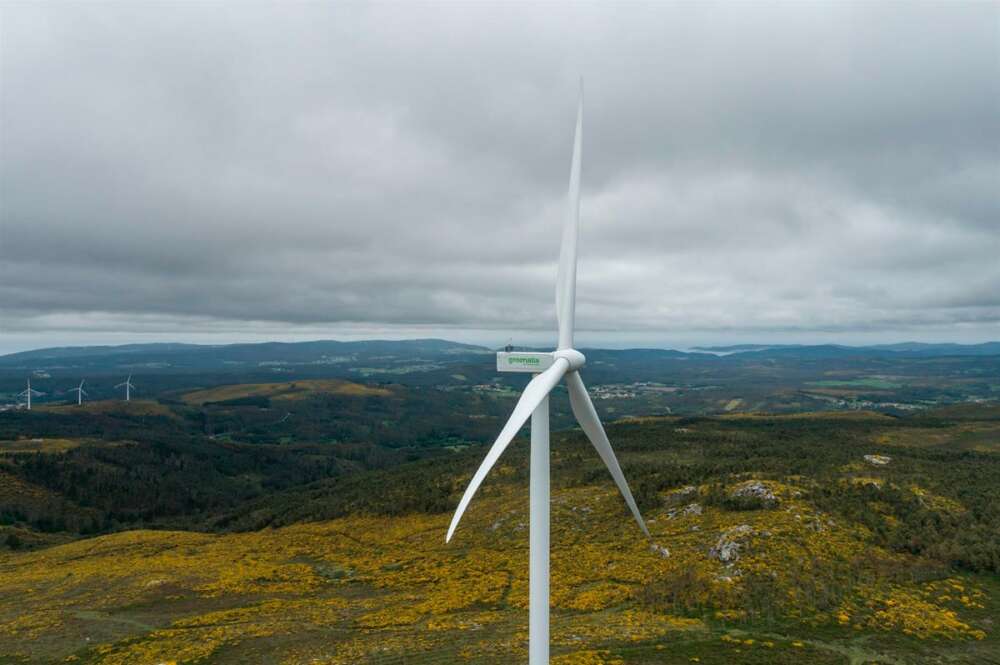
28	393
128	387
549	369
80	392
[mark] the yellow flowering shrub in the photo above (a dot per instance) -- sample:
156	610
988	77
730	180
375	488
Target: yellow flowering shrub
586	658
363	590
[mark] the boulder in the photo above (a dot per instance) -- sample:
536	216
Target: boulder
755	490
752	495
692	509
727	549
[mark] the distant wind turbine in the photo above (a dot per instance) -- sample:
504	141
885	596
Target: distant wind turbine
549	369
28	393
128	387
80	392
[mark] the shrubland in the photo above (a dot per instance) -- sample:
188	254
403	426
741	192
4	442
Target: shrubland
773	540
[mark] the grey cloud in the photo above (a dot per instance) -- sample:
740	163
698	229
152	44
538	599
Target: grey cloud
814	168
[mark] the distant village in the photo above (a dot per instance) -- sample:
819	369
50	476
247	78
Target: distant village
626	390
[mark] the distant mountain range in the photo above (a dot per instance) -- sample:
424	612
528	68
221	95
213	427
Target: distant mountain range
193	355
834	350
380	352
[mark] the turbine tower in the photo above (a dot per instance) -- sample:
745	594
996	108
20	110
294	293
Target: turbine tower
80	392
549	369
128	387
28	393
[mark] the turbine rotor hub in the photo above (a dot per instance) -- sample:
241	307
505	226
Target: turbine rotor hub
575	359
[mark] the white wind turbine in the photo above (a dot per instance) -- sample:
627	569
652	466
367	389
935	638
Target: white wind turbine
28	393
128	387
549	368
80	392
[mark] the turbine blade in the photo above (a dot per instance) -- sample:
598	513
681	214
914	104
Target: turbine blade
586	415
119	385
566	277
537	389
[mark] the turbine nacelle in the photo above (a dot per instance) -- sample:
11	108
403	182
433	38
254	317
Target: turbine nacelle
535	362
574	358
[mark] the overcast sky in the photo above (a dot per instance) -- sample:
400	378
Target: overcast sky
752	172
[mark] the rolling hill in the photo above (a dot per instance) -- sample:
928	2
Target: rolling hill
821	538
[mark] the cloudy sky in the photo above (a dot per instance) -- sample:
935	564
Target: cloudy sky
752	172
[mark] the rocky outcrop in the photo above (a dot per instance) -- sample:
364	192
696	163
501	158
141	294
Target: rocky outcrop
727	549
693	509
754	493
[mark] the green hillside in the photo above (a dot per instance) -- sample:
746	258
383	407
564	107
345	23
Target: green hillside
821	538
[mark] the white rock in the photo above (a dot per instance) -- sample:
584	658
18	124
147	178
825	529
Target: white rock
755	489
727	549
692	509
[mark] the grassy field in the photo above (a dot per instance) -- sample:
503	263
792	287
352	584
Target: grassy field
286	390
868	382
135	407
977	436
52	446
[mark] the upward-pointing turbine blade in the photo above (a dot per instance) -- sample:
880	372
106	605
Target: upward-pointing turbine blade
586	415
566	277
537	389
